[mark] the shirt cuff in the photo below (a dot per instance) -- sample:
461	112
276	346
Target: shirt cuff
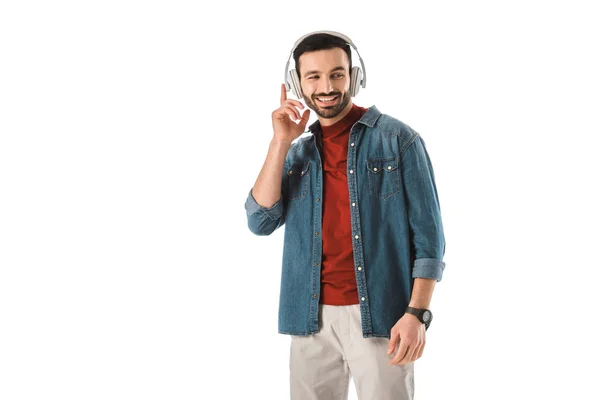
429	268
252	207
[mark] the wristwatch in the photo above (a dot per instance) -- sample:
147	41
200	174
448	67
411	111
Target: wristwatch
424	315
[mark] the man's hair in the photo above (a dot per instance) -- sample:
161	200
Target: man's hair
321	41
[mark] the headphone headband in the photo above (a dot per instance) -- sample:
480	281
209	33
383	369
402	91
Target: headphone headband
363	82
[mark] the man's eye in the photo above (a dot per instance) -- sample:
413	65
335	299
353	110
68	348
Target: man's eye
311	77
339	75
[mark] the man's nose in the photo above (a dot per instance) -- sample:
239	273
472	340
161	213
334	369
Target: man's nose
326	86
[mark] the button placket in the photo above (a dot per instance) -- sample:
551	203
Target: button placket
356	229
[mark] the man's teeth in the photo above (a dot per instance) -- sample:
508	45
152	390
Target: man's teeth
326	99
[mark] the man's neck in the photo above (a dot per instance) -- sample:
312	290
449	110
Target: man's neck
331	121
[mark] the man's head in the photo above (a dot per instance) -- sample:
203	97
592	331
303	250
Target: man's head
323	63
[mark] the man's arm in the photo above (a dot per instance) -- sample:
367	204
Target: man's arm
264	207
267	188
422	293
424	215
428	244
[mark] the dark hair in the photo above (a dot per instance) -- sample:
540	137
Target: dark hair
321	41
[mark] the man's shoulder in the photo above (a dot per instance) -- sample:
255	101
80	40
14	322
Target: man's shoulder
297	151
391	126
301	141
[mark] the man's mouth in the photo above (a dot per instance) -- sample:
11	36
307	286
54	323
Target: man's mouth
328	100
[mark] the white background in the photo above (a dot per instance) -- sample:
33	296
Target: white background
131	133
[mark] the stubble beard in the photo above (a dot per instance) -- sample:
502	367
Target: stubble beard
328	112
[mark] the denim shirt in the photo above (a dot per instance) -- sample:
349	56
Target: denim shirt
395	217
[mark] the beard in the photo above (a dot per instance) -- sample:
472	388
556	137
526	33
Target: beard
328	111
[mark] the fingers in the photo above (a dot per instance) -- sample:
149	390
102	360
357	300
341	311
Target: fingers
393	342
304	119
295	103
283	94
410	352
402	349
281	112
284	98
421	347
292	104
292	112
410	355
420	354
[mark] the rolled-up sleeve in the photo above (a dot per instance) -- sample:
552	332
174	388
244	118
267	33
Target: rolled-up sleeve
263	221
424	215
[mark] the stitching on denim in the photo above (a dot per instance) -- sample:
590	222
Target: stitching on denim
387	132
409	143
271	217
398	135
374	189
300	169
380	159
297	333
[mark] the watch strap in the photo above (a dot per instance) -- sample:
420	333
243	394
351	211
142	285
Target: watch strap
418	312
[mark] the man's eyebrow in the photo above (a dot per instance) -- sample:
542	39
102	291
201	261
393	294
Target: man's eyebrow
338	68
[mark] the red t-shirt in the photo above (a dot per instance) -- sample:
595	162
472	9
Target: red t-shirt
338	279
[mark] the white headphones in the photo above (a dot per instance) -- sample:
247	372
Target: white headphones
358	76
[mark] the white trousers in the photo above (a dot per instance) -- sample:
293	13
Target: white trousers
321	364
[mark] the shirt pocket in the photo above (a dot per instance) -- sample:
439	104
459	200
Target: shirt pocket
384	176
297	180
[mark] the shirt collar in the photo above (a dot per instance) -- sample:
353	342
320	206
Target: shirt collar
369	119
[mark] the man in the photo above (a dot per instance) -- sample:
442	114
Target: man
363	243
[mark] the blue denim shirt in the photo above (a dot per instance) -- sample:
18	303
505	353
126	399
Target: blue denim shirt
395	218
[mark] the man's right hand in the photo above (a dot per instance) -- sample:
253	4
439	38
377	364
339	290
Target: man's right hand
285	130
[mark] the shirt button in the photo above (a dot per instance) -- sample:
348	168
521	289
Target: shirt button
315	296
374	169
291	172
316	233
359	268
353	204
356	237
351	171
316	264
352	144
318	199
362	298
389	167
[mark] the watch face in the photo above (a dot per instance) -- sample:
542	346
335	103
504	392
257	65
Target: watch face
427	316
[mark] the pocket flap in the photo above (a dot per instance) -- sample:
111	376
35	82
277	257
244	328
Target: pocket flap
299	168
376	165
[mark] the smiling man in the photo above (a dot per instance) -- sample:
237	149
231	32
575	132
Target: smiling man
364	242
334	105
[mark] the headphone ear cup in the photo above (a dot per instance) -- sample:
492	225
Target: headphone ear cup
295	83
355	78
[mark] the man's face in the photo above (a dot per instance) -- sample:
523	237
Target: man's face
325	81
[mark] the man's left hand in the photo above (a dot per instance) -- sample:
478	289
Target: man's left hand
410	332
